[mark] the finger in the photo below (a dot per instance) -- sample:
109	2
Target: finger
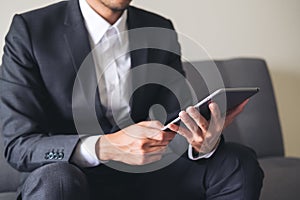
198	118
215	112
189	122
145	148
182	131
162	136
196	142
141	132
156	149
158	144
152	124
217	121
173	127
157	134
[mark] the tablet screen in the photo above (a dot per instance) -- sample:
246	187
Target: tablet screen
226	98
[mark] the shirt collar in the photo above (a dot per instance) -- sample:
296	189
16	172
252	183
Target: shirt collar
97	25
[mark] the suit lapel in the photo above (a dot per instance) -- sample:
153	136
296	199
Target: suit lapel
76	35
139	56
135	39
78	44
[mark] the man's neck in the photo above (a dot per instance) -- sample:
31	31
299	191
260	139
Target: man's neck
111	16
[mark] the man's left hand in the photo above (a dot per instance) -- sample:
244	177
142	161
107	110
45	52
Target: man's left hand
202	134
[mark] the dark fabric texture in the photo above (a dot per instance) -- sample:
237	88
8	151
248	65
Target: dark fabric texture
183	179
9	177
56	181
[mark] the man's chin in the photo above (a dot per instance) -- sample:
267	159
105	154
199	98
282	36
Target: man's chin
119	9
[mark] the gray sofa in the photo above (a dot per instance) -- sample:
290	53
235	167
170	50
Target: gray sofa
258	127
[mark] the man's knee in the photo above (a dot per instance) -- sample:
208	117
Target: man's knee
243	158
236	167
56	181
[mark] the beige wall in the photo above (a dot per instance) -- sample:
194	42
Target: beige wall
268	29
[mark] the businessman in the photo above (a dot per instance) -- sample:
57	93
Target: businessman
46	50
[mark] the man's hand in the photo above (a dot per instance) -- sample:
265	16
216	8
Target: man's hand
137	144
203	135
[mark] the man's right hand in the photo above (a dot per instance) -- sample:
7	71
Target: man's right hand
138	144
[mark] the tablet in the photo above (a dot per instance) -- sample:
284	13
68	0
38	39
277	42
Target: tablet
226	98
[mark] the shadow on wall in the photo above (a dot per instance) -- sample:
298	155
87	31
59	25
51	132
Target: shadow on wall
287	90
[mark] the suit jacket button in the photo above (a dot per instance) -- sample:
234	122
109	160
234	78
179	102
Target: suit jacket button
60	155
55	156
51	155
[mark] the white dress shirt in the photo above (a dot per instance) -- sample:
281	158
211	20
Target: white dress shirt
110	75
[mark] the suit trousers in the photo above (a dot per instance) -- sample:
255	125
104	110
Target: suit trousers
231	173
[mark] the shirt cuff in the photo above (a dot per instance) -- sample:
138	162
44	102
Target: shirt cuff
85	152
201	155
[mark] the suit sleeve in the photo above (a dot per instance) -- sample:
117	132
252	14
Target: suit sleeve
23	107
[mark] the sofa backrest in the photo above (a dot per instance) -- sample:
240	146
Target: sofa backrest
258	126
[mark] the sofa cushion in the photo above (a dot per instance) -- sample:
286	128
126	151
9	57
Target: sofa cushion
8	196
282	178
